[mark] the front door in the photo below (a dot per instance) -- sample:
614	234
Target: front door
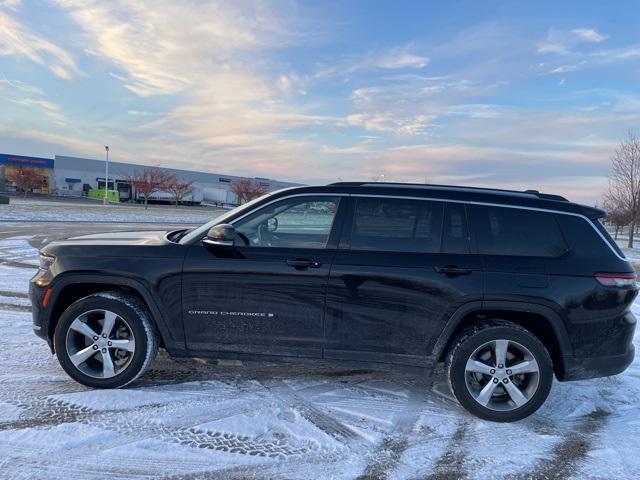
404	266
266	294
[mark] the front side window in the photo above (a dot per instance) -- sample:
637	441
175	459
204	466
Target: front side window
396	225
299	222
517	232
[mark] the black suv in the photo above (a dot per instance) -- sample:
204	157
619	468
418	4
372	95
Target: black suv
508	288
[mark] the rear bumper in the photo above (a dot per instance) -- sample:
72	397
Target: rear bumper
582	368
617	338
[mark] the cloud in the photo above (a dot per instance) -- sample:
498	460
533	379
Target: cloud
17	40
563	42
589	35
630	53
389	122
161	47
46	104
20	86
10	4
568	68
395	58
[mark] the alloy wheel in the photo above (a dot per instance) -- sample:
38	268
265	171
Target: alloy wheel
100	343
502	375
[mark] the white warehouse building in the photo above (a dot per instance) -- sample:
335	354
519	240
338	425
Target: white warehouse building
74	175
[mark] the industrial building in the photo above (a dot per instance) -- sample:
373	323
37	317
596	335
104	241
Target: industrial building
74	176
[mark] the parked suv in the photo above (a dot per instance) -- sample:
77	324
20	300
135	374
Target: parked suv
507	288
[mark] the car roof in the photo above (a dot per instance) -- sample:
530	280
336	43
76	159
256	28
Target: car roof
528	199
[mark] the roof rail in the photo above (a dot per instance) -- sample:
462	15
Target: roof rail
536	193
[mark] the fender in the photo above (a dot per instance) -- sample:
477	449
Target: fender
556	322
170	340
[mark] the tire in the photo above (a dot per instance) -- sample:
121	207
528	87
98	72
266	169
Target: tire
486	390
131	343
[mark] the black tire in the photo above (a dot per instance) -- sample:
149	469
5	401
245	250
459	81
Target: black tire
130	309
477	336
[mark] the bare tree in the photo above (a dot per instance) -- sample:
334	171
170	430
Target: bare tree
624	180
247	189
25	178
617	217
179	190
150	181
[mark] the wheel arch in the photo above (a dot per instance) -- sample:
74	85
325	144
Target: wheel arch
540	320
71	288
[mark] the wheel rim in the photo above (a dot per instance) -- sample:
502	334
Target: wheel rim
100	344
502	375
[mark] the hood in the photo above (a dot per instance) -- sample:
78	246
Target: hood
156	237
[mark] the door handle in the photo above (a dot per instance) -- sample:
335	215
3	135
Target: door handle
452	270
302	263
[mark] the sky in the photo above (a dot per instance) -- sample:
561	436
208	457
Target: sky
501	93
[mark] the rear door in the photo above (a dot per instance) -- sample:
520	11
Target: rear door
402	268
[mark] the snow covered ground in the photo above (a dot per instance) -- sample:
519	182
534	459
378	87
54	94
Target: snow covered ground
33	209
193	419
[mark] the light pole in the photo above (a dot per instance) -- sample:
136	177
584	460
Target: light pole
106	176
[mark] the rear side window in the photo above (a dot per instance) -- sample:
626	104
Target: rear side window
396	225
516	232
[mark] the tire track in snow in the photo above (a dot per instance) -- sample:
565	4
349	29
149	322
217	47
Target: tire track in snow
387	456
451	464
14	307
6	293
323	421
573	449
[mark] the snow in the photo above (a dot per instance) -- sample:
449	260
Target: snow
230	419
89	211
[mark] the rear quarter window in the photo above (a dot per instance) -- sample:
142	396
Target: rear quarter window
517	232
603	231
584	239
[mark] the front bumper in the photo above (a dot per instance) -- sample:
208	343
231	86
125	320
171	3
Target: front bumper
36	295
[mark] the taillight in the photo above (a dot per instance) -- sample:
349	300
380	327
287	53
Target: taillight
616	279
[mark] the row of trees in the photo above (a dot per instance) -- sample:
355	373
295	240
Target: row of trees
622	199
154	179
146	182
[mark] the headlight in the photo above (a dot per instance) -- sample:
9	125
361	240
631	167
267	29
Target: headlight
46	261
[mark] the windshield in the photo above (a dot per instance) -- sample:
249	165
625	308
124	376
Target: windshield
201	231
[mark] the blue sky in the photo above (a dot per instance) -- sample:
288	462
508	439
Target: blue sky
508	94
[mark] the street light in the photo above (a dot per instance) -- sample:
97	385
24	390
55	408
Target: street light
106	176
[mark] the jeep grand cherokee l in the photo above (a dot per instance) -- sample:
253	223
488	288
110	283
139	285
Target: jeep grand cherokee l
507	288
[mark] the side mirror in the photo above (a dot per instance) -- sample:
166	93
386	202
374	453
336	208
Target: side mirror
272	224
221	235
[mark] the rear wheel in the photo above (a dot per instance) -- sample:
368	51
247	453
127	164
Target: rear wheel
105	340
499	371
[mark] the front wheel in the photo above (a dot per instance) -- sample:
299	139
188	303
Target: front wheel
105	340
499	371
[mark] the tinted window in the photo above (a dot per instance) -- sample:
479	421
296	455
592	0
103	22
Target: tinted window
396	225
607	237
299	222
514	231
455	234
